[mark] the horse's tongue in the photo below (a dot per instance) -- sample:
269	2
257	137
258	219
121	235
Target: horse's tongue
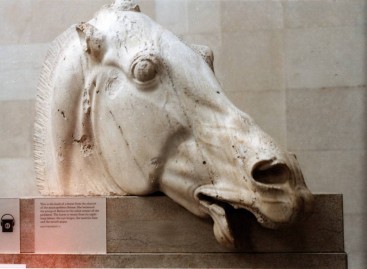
221	229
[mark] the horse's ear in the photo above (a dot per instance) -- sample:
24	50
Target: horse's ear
126	5
206	53
92	40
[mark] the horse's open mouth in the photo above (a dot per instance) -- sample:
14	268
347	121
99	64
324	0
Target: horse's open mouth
225	215
223	212
218	209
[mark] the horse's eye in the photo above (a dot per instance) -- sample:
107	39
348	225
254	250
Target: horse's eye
144	70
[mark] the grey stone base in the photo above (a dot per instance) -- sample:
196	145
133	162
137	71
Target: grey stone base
148	232
184	260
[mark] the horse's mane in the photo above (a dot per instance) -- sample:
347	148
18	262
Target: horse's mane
44	97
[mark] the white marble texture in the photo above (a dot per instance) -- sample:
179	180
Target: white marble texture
311	52
109	125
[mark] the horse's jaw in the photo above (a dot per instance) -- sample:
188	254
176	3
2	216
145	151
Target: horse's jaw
204	178
221	205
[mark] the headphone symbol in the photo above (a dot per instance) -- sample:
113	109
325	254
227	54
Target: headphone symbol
7	224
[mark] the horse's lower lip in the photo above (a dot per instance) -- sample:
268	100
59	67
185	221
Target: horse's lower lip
218	210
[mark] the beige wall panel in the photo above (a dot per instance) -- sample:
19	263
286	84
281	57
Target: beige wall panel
321	13
357	260
15	16
16	129
147	7
325	57
203	16
251	15
355	239
355	229
327	119
50	18
40	21
212	40
20	67
17	178
252	61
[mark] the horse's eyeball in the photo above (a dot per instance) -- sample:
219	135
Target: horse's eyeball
144	70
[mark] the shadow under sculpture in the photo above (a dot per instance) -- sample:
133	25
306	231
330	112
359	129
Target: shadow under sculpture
124	107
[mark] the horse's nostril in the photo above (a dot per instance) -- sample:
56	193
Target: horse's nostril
267	172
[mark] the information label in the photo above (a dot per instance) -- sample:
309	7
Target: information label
70	225
10	226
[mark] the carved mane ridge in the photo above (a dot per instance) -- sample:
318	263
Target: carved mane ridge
44	97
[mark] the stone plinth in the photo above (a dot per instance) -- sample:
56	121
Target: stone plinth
183	260
156	232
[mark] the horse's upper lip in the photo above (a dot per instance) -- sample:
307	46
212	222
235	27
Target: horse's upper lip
209	194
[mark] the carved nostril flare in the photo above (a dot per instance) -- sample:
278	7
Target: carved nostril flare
267	172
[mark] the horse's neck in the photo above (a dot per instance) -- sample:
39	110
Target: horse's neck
65	159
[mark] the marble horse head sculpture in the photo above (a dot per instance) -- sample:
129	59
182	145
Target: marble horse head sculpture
124	107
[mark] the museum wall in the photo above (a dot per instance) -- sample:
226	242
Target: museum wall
297	67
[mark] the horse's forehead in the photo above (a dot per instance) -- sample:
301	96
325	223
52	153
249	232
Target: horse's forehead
132	33
126	25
